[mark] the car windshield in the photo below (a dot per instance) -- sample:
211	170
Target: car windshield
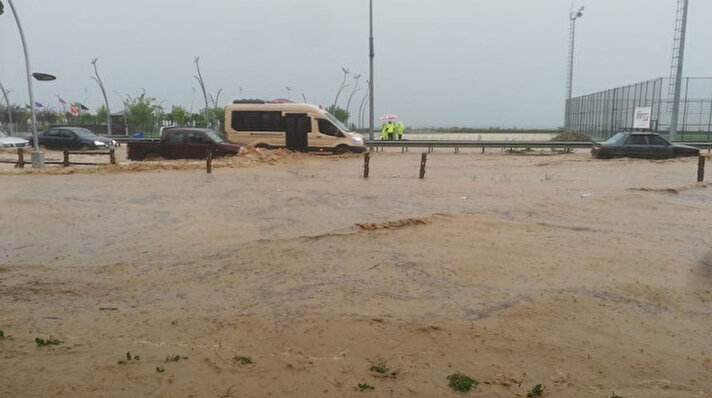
336	122
617	139
214	136
85	133
2	134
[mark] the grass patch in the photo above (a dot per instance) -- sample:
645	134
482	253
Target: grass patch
383	370
537	391
242	360
461	382
129	358
160	369
616	396
175	358
365	387
50	341
2	335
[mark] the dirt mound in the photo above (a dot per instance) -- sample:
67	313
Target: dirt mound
394	224
571	137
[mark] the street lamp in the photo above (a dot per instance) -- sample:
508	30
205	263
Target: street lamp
37	155
573	16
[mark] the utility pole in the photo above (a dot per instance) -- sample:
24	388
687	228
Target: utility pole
573	16
678	55
370	70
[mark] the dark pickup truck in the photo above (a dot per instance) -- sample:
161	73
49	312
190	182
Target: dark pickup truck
182	143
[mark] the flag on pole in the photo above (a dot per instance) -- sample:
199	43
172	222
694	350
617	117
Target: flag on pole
73	110
61	101
38	105
82	107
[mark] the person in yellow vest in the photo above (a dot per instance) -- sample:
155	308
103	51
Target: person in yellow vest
384	131
391	130
399	130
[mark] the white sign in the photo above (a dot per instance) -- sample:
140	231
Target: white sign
642	117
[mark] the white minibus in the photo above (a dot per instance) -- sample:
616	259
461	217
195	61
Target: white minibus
264	124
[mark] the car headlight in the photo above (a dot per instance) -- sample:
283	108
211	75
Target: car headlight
357	140
99	143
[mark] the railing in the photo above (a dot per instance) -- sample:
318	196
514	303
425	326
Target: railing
20	163
457	144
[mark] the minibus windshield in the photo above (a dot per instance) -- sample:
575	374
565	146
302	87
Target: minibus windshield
336	122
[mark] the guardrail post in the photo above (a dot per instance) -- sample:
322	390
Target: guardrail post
423	159
20	158
366	160
701	169
112	157
209	162
65	163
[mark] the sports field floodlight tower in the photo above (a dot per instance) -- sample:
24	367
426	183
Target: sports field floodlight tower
678	55
573	16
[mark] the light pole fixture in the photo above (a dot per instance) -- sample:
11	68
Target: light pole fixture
573	16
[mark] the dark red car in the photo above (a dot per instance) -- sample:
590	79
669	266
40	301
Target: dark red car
182	143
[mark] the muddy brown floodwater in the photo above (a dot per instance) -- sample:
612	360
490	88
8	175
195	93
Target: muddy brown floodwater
290	275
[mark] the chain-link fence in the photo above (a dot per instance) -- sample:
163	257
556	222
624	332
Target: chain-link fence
602	114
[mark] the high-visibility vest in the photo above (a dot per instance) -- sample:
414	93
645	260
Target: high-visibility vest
384	133
399	128
391	128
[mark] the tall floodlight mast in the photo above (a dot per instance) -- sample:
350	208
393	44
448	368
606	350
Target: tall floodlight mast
573	16
678	55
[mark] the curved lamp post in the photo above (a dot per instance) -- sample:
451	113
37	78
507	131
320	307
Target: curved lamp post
9	111
37	155
97	79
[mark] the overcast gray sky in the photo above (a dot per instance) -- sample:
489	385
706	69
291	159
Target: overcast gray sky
474	63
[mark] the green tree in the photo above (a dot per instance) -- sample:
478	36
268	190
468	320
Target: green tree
87	118
339	113
179	115
2	8
143	112
217	115
101	114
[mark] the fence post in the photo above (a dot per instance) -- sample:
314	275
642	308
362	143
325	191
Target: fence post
209	162
66	158
701	169
112	157
20	158
366	160
423	159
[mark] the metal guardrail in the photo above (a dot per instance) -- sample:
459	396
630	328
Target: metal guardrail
457	144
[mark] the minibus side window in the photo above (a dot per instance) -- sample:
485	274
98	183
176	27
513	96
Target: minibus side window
257	121
326	127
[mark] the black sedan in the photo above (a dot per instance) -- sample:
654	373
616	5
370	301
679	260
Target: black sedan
641	145
72	138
